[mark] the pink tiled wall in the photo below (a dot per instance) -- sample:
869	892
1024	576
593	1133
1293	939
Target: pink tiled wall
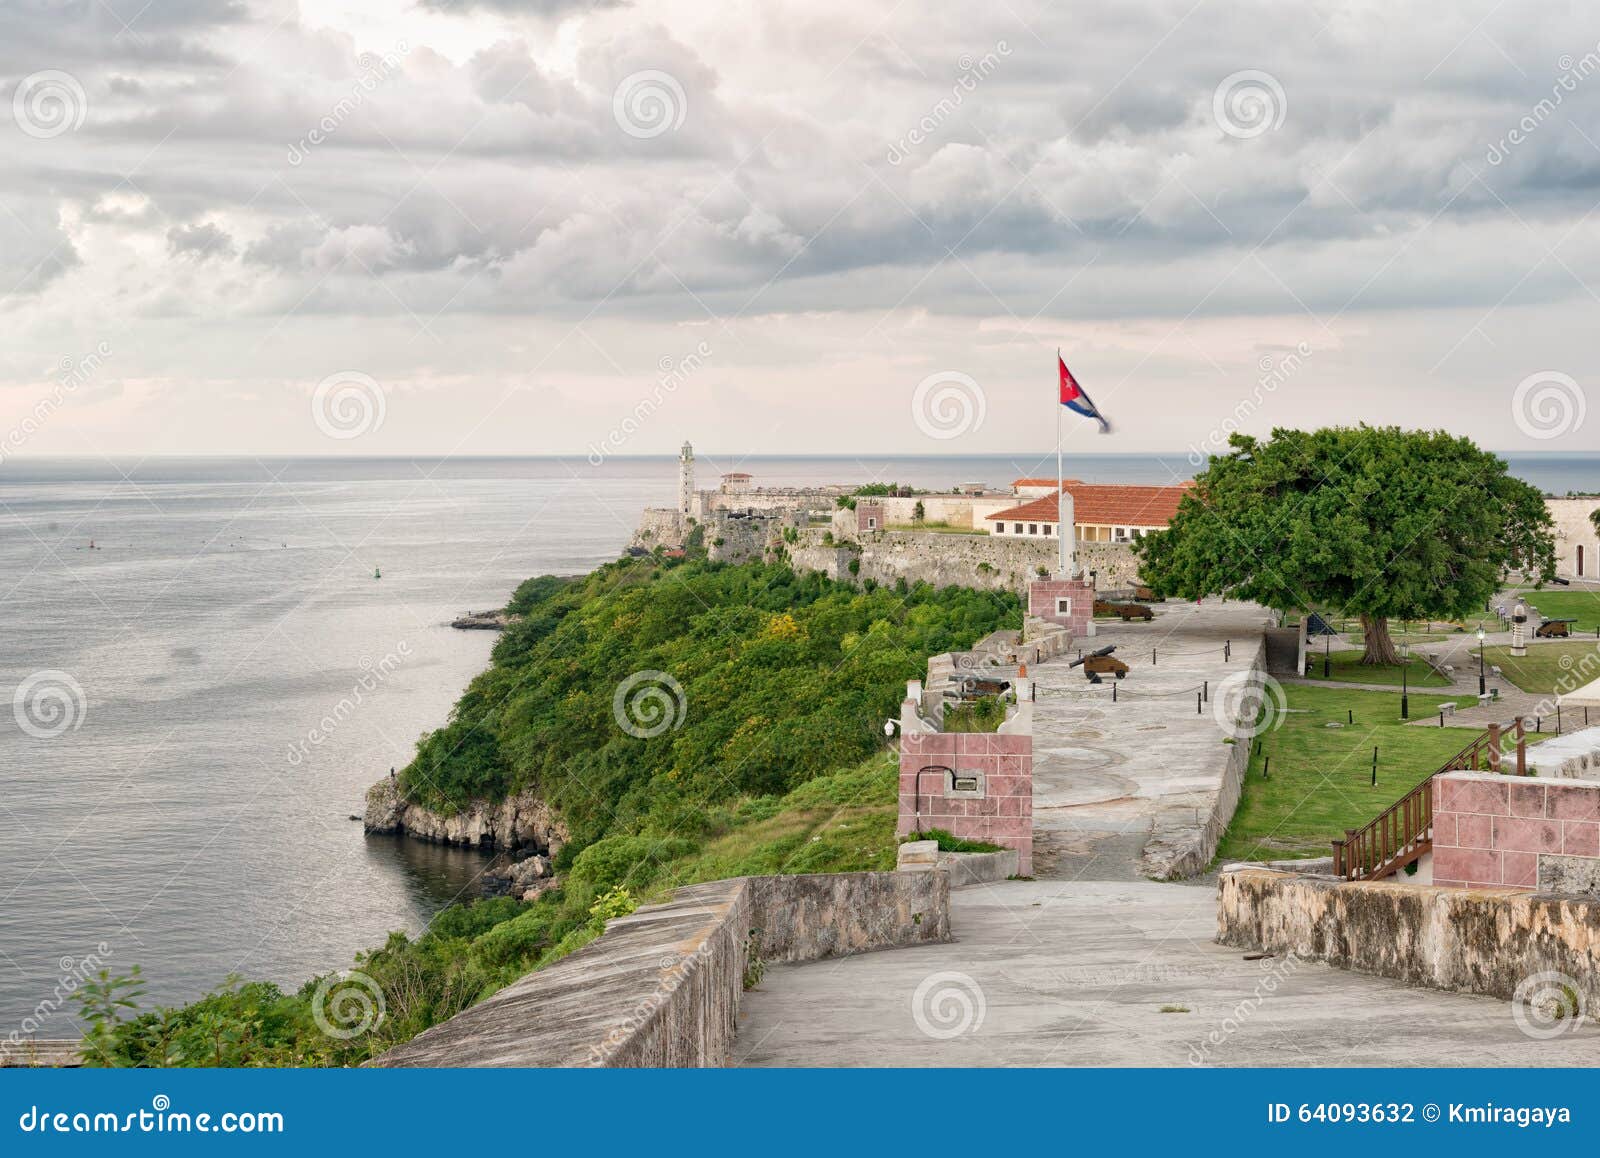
1003	816
1490	830
1042	595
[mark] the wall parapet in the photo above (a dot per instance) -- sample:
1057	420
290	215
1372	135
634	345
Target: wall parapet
1481	941
662	987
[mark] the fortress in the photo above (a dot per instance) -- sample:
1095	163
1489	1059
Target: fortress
971	534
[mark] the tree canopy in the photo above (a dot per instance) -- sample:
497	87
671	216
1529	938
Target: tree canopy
1378	522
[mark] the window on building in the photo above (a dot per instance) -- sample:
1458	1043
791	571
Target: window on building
1033	528
872	523
1048	529
1580	560
1064	605
1016	528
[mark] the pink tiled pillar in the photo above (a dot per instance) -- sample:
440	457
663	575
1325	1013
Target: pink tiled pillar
1000	811
1489	831
1069	602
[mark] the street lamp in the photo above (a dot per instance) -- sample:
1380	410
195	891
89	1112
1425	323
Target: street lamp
1327	651
1405	687
1481	689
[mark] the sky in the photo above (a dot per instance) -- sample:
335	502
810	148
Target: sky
465	227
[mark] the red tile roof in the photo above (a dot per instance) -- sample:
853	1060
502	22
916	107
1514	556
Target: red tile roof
1100	504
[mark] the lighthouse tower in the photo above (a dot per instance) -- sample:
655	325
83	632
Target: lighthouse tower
685	487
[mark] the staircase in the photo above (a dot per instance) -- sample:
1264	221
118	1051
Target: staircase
1404	831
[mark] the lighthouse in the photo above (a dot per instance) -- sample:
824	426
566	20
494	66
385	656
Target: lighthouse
685	487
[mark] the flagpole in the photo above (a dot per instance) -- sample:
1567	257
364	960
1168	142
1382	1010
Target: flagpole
1061	526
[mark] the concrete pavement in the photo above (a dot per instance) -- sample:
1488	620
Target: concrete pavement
1057	973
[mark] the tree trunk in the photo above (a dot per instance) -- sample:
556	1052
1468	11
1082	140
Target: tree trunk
1380	648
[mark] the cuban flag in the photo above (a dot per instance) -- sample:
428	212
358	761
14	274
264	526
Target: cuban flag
1075	399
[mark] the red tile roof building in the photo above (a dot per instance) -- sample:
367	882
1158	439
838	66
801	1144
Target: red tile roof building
1101	512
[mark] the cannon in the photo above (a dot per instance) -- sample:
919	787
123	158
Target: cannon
1101	663
1554	629
1127	611
973	687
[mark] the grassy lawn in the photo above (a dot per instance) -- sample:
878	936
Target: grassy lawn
1321	776
1549	667
1584	606
1346	667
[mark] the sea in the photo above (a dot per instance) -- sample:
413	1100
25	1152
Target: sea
211	659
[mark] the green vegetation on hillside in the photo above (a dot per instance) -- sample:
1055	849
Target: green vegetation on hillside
753	744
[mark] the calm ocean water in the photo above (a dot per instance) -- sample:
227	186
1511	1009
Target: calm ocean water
192	813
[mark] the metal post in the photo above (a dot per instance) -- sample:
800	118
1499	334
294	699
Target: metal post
1199	704
1266	767
1374	767
1405	686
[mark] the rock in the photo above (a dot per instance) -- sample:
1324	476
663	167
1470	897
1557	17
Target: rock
534	891
482	621
525	872
520	821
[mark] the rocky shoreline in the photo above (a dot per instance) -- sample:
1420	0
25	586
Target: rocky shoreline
482	621
523	821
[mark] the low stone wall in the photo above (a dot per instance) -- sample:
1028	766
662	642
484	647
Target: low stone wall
964	868
662	987
1179	847
1464	940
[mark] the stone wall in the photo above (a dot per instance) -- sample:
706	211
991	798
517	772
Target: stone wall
1179	848
983	561
1500	830
1573	530
1465	940
662	987
658	527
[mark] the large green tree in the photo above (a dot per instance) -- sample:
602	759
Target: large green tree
1379	522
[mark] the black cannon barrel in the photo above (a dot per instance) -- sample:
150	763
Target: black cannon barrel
1103	651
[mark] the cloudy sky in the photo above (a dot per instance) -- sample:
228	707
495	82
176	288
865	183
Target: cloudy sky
541	226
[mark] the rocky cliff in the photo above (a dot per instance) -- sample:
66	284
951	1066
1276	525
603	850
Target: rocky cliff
520	821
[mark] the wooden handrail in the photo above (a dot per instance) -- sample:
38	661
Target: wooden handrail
1401	833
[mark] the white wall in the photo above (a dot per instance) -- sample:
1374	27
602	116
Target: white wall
1573	529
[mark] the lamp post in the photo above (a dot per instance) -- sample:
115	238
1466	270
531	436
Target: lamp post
1405	687
1481	688
1327	653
